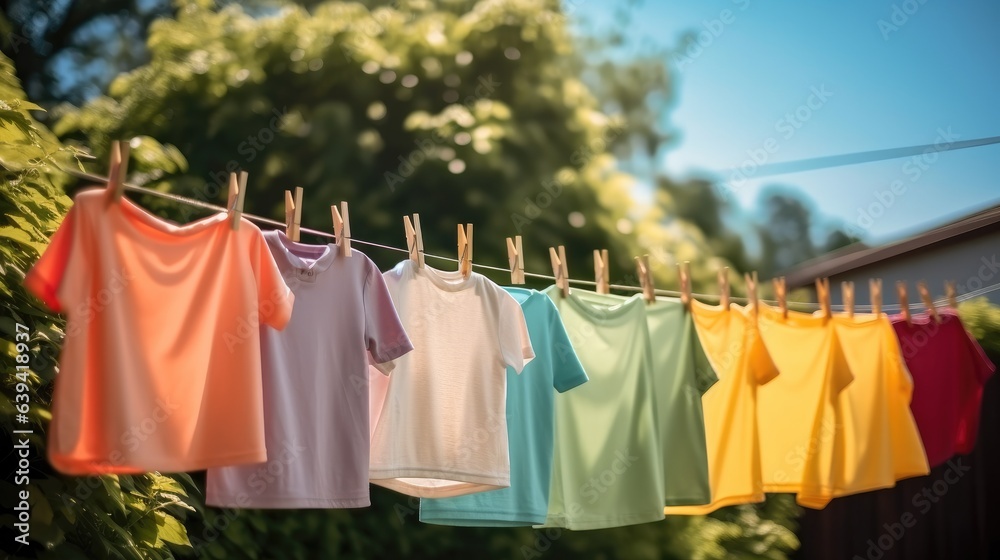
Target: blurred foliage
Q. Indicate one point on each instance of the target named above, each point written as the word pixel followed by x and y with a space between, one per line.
pixel 95 37
pixel 98 39
pixel 71 517
pixel 784 229
pixel 983 320
pixel 470 112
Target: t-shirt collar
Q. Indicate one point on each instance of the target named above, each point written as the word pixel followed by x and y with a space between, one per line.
pixel 604 308
pixel 306 261
pixel 447 280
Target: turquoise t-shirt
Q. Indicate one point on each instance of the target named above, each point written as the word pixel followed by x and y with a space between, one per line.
pixel 530 426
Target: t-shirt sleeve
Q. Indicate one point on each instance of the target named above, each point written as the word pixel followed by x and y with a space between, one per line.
pixel 704 373
pixel 274 297
pixel 979 364
pixel 385 368
pixel 385 337
pixel 45 279
pixel 515 345
pixel 567 370
pixel 841 374
pixel 896 362
pixel 761 364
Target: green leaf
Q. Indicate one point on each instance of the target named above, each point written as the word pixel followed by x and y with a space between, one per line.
pixel 27 106
pixel 110 483
pixel 41 511
pixel 170 530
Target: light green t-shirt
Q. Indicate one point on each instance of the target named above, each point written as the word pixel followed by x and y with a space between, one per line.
pixel 607 466
pixel 681 375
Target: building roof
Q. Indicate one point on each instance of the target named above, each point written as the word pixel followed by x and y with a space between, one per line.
pixel 859 255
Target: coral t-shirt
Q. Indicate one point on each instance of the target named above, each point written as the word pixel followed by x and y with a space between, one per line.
pixel 160 369
pixel 949 369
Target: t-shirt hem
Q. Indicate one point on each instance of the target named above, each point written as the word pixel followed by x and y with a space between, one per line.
pixel 814 501
pixel 450 491
pixel 688 500
pixel 602 523
pixel 463 483
pixel 42 289
pixel 841 492
pixel 244 502
pixel 818 497
pixel 777 488
pixel 912 474
pixel 465 518
pixel 717 504
pixel 68 464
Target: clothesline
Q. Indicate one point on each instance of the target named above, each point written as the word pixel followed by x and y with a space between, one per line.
pixel 659 291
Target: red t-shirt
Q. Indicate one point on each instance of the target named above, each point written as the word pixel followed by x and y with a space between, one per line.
pixel 949 369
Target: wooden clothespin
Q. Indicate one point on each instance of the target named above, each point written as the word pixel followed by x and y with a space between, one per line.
pixel 559 269
pixel 925 296
pixel 117 170
pixel 751 281
pixel 342 228
pixel 847 291
pixel 465 249
pixel 875 291
pixel 685 276
pixel 724 287
pixel 646 279
pixel 950 293
pixel 237 195
pixel 293 213
pixel 823 295
pixel 904 303
pixel 781 294
pixel 601 274
pixel 414 239
pixel 515 258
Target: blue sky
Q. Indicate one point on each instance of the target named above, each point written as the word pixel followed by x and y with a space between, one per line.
pixel 930 75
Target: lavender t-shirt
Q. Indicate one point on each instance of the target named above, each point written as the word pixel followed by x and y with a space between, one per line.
pixel 316 383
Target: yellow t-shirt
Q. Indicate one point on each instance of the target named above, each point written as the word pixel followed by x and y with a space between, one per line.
pixel 796 411
pixel 740 359
pixel 879 439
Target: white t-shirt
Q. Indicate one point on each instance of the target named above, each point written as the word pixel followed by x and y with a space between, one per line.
pixel 315 376
pixel 442 430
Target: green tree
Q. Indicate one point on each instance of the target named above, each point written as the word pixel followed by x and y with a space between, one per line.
pixel 95 37
pixel 696 201
pixel 71 517
pixel 787 230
